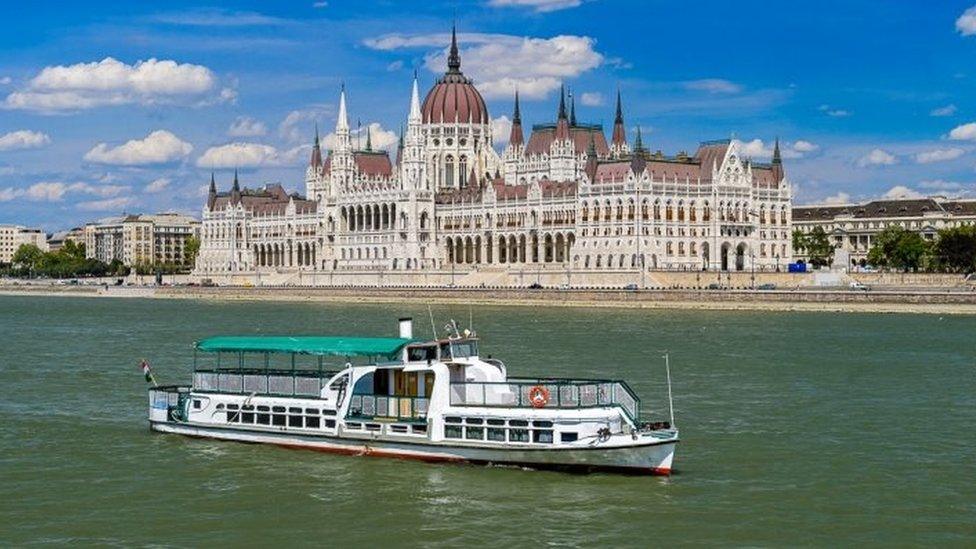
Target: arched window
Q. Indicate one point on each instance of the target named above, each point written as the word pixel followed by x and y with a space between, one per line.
pixel 462 171
pixel 449 171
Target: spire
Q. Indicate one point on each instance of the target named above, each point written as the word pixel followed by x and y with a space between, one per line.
pixel 212 195
pixel 316 160
pixel 414 101
pixel 572 109
pixel 778 173
pixel 638 143
pixel 619 140
pixel 454 59
pixel 591 158
pixel 237 186
pixel 213 184
pixel 342 121
pixel 515 137
pixel 776 157
pixel 399 156
pixel 369 140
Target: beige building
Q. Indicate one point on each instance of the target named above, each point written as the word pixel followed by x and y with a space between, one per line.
pixel 57 240
pixel 141 239
pixel 13 236
pixel 853 227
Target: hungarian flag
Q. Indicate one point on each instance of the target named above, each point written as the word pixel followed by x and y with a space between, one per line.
pixel 146 371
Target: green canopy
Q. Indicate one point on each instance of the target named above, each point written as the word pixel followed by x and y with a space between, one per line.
pixel 308 345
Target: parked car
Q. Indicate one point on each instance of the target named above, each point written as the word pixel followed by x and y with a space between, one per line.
pixel 535 286
pixel 714 286
pixel 766 286
pixel 859 287
pixel 631 286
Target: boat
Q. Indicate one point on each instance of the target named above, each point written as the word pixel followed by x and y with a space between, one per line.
pixel 432 400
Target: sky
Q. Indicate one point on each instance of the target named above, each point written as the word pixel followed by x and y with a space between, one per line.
pixel 110 107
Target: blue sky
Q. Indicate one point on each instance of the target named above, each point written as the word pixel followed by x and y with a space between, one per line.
pixel 109 107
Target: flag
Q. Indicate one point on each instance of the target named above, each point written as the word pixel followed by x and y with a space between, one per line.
pixel 146 371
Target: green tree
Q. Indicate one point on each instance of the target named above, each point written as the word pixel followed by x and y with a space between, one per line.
pixel 799 240
pixel 898 248
pixel 955 249
pixel 190 250
pixel 818 247
pixel 28 256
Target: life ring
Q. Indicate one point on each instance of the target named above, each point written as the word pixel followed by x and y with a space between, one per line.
pixel 538 396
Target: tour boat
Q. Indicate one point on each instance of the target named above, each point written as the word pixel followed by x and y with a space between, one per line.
pixel 435 401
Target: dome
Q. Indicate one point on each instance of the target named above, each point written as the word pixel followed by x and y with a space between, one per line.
pixel 454 97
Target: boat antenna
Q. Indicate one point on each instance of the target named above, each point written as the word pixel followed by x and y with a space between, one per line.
pixel 470 319
pixel 433 329
pixel 667 369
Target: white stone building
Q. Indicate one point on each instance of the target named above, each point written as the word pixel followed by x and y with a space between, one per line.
pixel 563 199
pixel 12 237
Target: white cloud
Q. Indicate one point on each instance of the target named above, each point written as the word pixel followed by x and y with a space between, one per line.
pixel 320 4
pixel 713 85
pixel 837 199
pixel 877 157
pixel 832 112
pixel 211 17
pixel 380 138
pixel 592 99
pixel 500 63
pixel 901 191
pixel 157 186
pixel 159 147
pixel 966 23
pixel 757 148
pixel 540 6
pixel 395 66
pixel 5 80
pixel 965 132
pixel 948 110
pixel 298 125
pixel 107 204
pixel 239 155
pixel 941 185
pixel 54 191
pixel 939 155
pixel 245 126
pixel 501 129
pixel 112 82
pixel 23 139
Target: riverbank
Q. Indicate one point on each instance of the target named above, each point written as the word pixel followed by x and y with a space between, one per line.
pixel 901 301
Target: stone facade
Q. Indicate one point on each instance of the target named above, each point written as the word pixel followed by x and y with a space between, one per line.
pixel 13 237
pixel 852 227
pixel 564 198
pixel 140 239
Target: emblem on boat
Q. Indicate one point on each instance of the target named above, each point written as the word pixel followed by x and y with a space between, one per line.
pixel 539 396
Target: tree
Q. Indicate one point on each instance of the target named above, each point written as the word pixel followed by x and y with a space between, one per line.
pixel 898 248
pixel 955 249
pixel 190 250
pixel 799 240
pixel 28 256
pixel 818 247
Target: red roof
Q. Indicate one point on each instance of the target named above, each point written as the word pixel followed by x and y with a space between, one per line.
pixel 373 163
pixel 454 99
pixel 543 136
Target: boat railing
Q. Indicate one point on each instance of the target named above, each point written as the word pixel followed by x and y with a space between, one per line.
pixel 371 406
pixel 561 393
pixel 171 398
pixel 262 382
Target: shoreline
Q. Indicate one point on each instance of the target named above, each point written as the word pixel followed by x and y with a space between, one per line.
pixel 837 301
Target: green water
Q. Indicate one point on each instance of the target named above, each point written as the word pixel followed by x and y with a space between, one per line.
pixel 797 428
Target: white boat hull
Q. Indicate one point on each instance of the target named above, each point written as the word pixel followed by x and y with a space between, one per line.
pixel 648 455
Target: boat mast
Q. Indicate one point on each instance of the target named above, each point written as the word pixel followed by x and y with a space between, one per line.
pixel 667 369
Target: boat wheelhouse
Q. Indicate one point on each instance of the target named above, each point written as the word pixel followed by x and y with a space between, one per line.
pixel 434 400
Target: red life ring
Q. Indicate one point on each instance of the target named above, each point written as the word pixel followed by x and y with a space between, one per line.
pixel 538 396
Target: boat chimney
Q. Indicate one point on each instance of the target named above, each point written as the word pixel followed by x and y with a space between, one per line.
pixel 406 328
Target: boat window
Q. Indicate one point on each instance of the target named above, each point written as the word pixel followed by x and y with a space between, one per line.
pixel 518 435
pixel 220 406
pixel 464 349
pixel 542 424
pixel 418 429
pixel 496 422
pixel 330 423
pixel 398 428
pixel 474 420
pixel 496 434
pixel 452 431
pixel 372 426
pixel 278 419
pixel 231 406
pixel 422 353
pixel 568 437
pixel 294 410
pixel 475 433
pixel 339 383
pixel 364 385
pixel 445 351
pixel 294 421
pixel 263 408
pixel 328 412
pixel 197 404
pixel 248 416
pixel 544 437
pixel 312 422
pixel 354 426
pixel 279 409
pixel 518 423
pixel 452 419
pixel 312 411
pixel 263 419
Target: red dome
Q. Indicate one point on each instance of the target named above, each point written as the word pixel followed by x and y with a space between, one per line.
pixel 454 98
